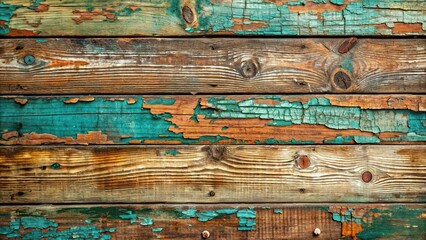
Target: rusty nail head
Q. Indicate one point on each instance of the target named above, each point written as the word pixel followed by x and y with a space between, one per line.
pixel 367 176
pixel 303 161
pixel 205 234
pixel 187 14
pixel 212 193
pixel 248 69
pixel 347 45
pixel 342 80
pixel 317 231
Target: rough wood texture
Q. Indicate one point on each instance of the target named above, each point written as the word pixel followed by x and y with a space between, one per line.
pixel 271 119
pixel 218 222
pixel 213 174
pixel 195 17
pixel 216 65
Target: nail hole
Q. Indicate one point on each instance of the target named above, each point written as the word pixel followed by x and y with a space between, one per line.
pixel 43 168
pixel 205 234
pixel 317 231
pixel 302 190
pixel 212 193
pixel 213 85
pixel 29 59
pixel 19 47
pixel 20 193
pixel 367 176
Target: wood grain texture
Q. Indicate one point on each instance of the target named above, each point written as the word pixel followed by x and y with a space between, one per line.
pixel 208 17
pixel 212 174
pixel 270 119
pixel 274 221
pixel 215 65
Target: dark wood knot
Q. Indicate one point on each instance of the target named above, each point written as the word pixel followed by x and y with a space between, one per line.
pixel 188 15
pixel 249 68
pixel 342 79
pixel 216 153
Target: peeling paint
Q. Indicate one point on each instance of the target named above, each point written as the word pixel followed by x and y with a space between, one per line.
pixel 172 152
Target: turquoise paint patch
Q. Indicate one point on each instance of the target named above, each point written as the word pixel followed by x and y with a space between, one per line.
pixel 338 2
pixel 224 128
pixel 161 101
pixel 246 219
pixel 37 222
pixel 145 221
pixel 227 211
pixel 55 166
pixel 41 40
pixel 88 221
pixel 366 139
pixel 206 215
pixel 6 13
pixel 172 152
pixel 280 211
pixel 190 213
pixel 340 140
pixel 129 216
pixel 159 229
pixel 347 64
pixel 297 3
pixel 34 4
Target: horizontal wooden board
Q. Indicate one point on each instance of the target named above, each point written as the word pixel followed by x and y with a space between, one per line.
pixel 214 65
pixel 213 174
pixel 275 221
pixel 199 17
pixel 270 119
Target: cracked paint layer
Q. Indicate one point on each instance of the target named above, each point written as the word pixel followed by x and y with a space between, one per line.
pixel 244 17
pixel 213 119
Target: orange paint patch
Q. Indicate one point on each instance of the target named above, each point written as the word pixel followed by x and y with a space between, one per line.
pixel 8 135
pixel 22 33
pixel 44 138
pixel 87 16
pixel 42 8
pixel 244 24
pixel 81 99
pixel 21 101
pixel 65 63
pixel 351 229
pixel 131 101
pixel 403 28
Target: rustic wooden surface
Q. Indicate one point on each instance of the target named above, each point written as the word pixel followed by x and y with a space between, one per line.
pixel 269 119
pixel 197 17
pixel 212 174
pixel 215 65
pixel 273 221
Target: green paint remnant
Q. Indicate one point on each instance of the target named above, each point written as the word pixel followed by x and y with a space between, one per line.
pixel 41 40
pixel 320 1
pixel 266 207
pixel 172 152
pixel 88 221
pixel 227 211
pixel 297 3
pixel 6 13
pixel 113 118
pixel 366 139
pixel 246 219
pixel 188 29
pixel 280 211
pixel 190 213
pixel 224 128
pixel 146 221
pixel 206 215
pixel 161 101
pixel 34 4
pixel 338 2
pixel 347 64
pixel 129 216
pixel 37 222
pixel 158 229
pixel 410 223
pixel 55 166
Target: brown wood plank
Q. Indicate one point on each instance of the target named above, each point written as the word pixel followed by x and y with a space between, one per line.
pixel 216 65
pixel 237 221
pixel 207 17
pixel 248 119
pixel 213 174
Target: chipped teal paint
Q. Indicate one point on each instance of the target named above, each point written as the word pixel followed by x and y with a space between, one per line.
pixel 161 101
pixel 49 227
pixel 279 211
pixel 40 40
pixel 6 13
pixel 55 166
pixel 129 216
pixel 190 213
pixel 410 223
pixel 119 118
pixel 227 211
pixel 172 152
pixel 206 215
pixel 88 221
pixel 145 221
pixel 347 64
pixel 224 128
pixel 37 222
pixel 358 18
pixel 246 219
pixel 34 4
pixel 159 229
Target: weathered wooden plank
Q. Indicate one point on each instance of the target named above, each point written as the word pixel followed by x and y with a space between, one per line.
pixel 271 119
pixel 275 221
pixel 215 65
pixel 213 174
pixel 195 17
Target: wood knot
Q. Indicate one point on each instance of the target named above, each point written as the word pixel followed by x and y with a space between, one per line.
pixel 367 176
pixel 188 15
pixel 303 161
pixel 216 153
pixel 29 59
pixel 249 68
pixel 342 79
pixel 347 45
